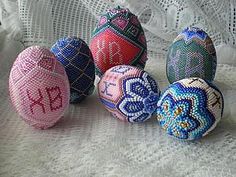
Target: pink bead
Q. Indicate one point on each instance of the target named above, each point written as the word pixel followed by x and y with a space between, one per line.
pixel 39 87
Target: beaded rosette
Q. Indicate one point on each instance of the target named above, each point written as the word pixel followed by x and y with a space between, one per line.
pixel 190 108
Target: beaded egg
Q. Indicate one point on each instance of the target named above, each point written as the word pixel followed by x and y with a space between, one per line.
pixel 77 59
pixel 129 93
pixel 192 54
pixel 190 108
pixel 39 87
pixel 118 39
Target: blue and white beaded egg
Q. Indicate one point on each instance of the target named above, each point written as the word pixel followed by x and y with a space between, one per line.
pixel 190 108
pixel 77 59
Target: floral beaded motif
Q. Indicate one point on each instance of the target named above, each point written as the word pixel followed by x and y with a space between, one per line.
pixel 188 109
pixel 140 99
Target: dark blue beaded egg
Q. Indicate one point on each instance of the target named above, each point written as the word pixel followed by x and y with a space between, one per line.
pixel 77 59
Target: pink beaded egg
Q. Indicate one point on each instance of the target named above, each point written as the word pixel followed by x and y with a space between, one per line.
pixel 39 87
pixel 129 93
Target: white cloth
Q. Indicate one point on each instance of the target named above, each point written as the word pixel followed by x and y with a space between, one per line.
pixel 88 141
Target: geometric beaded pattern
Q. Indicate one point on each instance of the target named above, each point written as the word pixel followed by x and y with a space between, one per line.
pixel 190 108
pixel 77 59
pixel 118 39
pixel 39 87
pixel 129 93
pixel 192 54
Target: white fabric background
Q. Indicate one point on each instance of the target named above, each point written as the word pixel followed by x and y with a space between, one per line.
pixel 88 141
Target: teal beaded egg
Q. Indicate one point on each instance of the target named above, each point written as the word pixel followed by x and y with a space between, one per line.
pixel 192 54
pixel 190 108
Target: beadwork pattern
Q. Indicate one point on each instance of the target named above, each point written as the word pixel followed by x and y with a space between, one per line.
pixel 192 54
pixel 129 93
pixel 77 59
pixel 39 87
pixel 190 108
pixel 118 39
